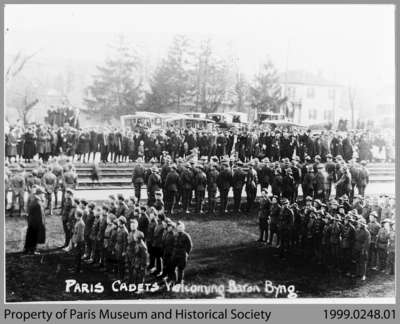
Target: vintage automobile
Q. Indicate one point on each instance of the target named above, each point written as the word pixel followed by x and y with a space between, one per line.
pixel 141 119
pixel 188 122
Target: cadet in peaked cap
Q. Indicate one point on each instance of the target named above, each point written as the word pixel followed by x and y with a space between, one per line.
pixel 120 197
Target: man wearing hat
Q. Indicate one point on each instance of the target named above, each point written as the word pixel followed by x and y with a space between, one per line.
pixel 296 171
pixel 238 181
pixel 138 177
pixel 187 180
pixel 382 242
pixel 251 186
pixel 200 182
pixel 122 208
pixel 263 215
pixel 121 241
pixel 224 182
pixel 18 190
pixel 334 240
pixel 69 181
pixel 348 237
pixel 88 219
pixel 154 184
pixel 285 225
pixel 49 183
pixel 36 231
pixel 317 162
pixel 373 227
pixel 78 239
pixel 360 249
pixel 65 215
pixel 391 248
pixel 212 177
pixel 172 186
pixel 139 262
pixel 363 178
pixel 330 168
pixel 168 242
pixel 307 184
pixel 320 183
pixel 182 248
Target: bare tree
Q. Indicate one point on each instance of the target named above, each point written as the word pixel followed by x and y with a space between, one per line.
pixel 17 64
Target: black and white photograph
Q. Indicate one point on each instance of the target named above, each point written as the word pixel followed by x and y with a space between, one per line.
pixel 211 152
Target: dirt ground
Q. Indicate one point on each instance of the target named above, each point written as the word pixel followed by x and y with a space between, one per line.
pixel 225 249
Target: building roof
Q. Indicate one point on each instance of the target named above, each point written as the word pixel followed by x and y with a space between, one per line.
pixel 306 78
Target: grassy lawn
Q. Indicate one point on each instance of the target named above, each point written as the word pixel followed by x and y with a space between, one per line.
pixel 225 248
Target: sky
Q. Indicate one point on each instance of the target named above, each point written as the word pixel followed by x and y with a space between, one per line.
pixel 351 44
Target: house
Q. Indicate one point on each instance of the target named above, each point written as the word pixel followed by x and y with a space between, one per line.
pixel 313 99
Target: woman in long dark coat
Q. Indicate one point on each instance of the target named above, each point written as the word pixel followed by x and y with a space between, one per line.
pixel 36 232
pixel 29 148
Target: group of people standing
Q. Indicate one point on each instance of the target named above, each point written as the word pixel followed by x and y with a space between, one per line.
pixel 111 144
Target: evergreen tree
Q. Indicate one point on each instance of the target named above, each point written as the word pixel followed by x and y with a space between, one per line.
pixel 265 93
pixel 211 79
pixel 117 87
pixel 171 85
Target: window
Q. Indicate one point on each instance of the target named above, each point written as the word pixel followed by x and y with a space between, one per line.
pixel 310 92
pixel 291 92
pixel 331 93
pixel 312 114
pixel 328 114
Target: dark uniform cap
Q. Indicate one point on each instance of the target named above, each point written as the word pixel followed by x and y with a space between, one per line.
pixel 92 205
pixel 143 208
pixel 105 207
pixel 76 200
pixel 84 201
pixel 70 191
pixel 120 197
